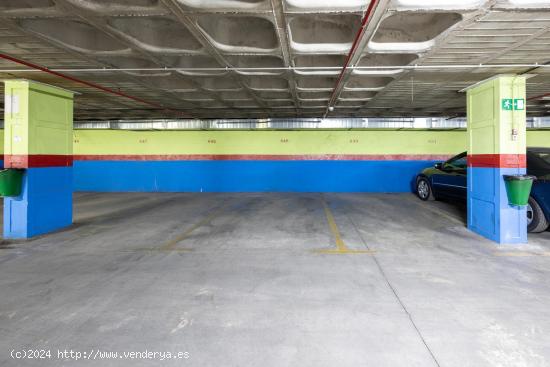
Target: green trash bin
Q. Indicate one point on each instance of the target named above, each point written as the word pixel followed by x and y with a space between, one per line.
pixel 10 182
pixel 518 188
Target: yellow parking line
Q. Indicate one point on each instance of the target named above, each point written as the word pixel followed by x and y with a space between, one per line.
pixel 341 247
pixel 154 249
pixel 347 251
pixel 174 241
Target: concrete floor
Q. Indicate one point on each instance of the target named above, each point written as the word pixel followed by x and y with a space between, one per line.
pixel 239 280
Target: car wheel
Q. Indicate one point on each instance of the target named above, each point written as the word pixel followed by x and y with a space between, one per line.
pixel 536 221
pixel 423 189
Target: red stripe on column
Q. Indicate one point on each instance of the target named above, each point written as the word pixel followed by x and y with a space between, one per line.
pixel 37 160
pixel 262 157
pixel 497 160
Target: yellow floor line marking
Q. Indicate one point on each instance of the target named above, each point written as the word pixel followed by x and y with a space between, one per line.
pixel 348 251
pixel 174 241
pixel 341 247
pixel 521 254
pixel 159 250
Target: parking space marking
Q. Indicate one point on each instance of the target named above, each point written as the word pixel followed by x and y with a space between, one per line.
pixel 347 251
pixel 341 247
pixel 170 245
pixel 154 249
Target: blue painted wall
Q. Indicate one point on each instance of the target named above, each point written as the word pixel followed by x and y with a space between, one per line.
pixel 247 176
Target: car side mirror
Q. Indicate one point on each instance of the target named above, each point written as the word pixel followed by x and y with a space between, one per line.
pixel 438 166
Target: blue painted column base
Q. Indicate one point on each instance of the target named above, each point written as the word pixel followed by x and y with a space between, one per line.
pixel 489 213
pixel 45 203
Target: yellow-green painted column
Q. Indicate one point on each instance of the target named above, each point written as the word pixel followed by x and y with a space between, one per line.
pixel 38 139
pixel 497 147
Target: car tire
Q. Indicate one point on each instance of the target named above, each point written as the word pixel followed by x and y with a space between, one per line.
pixel 539 223
pixel 424 189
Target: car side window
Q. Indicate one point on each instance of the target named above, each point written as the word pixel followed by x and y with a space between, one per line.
pixel 460 163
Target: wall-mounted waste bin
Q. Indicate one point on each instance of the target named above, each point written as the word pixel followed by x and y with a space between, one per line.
pixel 518 188
pixel 10 182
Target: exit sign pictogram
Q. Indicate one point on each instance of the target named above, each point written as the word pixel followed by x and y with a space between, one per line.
pixel 519 104
pixel 509 104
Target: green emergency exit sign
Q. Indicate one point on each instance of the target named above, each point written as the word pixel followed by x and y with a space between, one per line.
pixel 509 104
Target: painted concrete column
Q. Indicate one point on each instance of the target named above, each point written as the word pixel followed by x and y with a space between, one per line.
pixel 497 135
pixel 38 138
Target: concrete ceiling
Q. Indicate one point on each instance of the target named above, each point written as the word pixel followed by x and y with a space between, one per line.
pixel 201 57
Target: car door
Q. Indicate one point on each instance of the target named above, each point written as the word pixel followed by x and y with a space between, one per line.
pixel 451 179
pixel 538 165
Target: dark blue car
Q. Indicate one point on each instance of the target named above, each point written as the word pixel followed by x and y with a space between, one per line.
pixel 448 180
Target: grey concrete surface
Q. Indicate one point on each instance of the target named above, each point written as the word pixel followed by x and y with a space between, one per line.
pixel 238 280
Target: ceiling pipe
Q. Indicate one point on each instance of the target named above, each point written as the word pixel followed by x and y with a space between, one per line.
pixel 314 68
pixel 539 96
pixel 89 84
pixel 364 22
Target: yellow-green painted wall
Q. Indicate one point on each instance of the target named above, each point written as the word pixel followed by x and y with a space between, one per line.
pixel 538 138
pixel 89 142
pixel 107 142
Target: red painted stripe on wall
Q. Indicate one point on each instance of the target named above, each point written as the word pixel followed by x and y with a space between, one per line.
pixel 37 160
pixel 497 160
pixel 264 157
